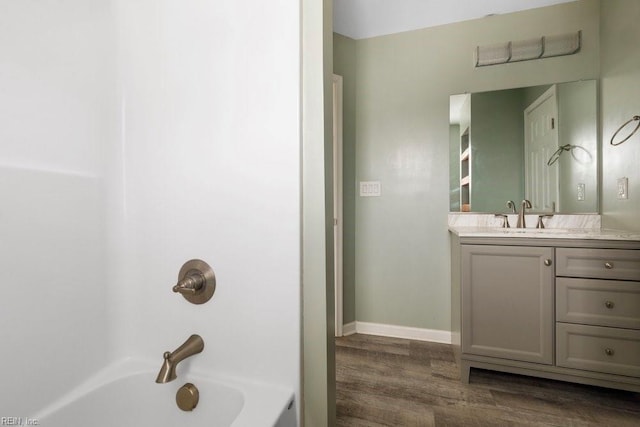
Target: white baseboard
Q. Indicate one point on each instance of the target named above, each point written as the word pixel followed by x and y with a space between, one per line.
pixel 393 331
pixel 349 329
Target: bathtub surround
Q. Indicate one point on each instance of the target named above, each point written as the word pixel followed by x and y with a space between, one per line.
pixel 137 135
pixel 57 112
pixel 212 158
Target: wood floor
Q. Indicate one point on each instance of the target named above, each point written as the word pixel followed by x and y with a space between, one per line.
pixel 395 382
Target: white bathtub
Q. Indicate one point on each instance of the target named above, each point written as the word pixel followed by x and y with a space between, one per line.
pixel 125 394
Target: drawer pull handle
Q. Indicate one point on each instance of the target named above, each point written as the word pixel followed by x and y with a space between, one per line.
pixel 547 262
pixel 609 304
pixel 609 351
pixel 608 265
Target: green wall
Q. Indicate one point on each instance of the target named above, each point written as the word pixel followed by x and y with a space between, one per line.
pixel 620 100
pixel 534 92
pixel 403 83
pixel 578 125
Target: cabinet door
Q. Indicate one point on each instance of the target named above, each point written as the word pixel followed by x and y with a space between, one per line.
pixel 507 302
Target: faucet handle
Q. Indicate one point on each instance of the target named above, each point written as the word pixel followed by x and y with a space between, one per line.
pixel 505 220
pixel 196 281
pixel 190 285
pixel 540 222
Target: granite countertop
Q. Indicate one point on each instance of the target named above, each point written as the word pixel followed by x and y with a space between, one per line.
pixel 559 226
pixel 546 233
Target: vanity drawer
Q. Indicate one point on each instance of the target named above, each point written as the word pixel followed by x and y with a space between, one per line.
pixel 620 264
pixel 599 349
pixel 598 302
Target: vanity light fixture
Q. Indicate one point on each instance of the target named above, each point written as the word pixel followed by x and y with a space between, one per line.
pixel 525 50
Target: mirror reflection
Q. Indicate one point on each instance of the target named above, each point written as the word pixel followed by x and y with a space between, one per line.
pixel 538 143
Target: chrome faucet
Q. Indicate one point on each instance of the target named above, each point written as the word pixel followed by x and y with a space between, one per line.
pixel 525 205
pixel 511 205
pixel 193 345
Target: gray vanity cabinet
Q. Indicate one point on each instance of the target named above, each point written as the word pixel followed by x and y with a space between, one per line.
pixel 507 302
pixel 565 309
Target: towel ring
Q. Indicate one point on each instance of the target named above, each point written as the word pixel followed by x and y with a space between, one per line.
pixel 634 118
pixel 570 148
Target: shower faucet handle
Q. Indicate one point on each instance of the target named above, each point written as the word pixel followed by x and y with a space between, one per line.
pixel 190 285
pixel 196 282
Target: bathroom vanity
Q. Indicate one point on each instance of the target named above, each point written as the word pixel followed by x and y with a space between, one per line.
pixel 559 304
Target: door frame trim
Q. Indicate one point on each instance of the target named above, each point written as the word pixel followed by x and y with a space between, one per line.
pixel 337 202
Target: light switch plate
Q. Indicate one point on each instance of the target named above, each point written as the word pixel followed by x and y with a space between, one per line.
pixel 623 188
pixel 370 189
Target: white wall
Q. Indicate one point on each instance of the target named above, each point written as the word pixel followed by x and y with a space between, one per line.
pixel 211 170
pixel 56 117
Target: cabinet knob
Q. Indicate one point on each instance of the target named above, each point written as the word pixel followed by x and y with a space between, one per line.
pixel 609 304
pixel 547 262
pixel 609 351
pixel 608 265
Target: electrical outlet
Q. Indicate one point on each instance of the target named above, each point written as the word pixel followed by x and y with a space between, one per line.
pixel 623 188
pixel 581 191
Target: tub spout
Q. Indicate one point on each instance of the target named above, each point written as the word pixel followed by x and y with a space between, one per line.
pixel 193 345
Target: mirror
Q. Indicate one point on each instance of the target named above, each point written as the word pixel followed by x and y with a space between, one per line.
pixel 538 143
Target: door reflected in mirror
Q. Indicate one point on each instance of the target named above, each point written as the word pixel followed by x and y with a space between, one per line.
pixel 538 143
